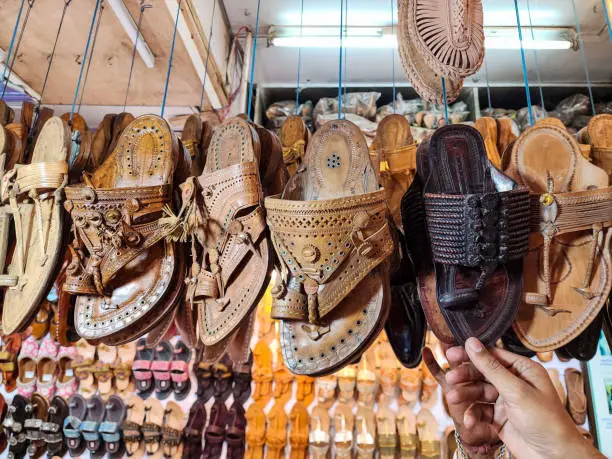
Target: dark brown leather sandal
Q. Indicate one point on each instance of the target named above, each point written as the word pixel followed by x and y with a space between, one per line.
pixel 14 427
pixel 192 433
pixel 39 409
pixel 477 224
pixel 214 435
pixel 242 381
pixel 77 407
pixel 90 427
pixel 110 428
pixel 51 430
pixel 235 432
pixel 222 379
pixel 331 234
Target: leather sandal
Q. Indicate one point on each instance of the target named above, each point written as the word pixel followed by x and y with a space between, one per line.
pixel 8 360
pixel 38 408
pixel 84 365
pixel 347 381
pixel 191 140
pixel 32 194
pixel 172 430
pixel 90 427
pixel 553 373
pixel 367 385
pixel 160 367
pixel 407 431
pixel 283 383
pixel 152 426
pixel 42 320
pixel 276 432
pixel 231 235
pixel 298 431
pixel 100 142
pixel 263 374
pixel 142 369
pixel 127 200
pixel 77 409
pixel 3 432
pixel 365 433
pixel 62 326
pixel 386 432
pixel 576 398
pixel 193 431
pixel 214 434
pixel 545 357
pixel 318 437
pixel 222 379
pixel 427 427
pixel 204 377
pixel 477 285
pixel 51 430
pixel 584 346
pixel 131 427
pixel 305 389
pixel 110 428
pixel 568 267
pixel 235 435
pixel 26 363
pixel 120 123
pixel 294 137
pixel 81 144
pixel 344 423
pixel 122 369
pixel 242 380
pixel 255 431
pixel 429 388
pixel 47 368
pixel 507 133
pixel 600 137
pixel 179 371
pixel 14 426
pixel 327 321
pixel 103 369
pixel 410 385
pixel 487 127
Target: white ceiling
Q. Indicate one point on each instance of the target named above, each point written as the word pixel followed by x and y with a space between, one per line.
pixel 279 65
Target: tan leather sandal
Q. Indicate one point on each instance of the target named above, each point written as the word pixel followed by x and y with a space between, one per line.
pixel 318 438
pixel 407 431
pixel 429 390
pixel 84 367
pixel 553 373
pixel 42 320
pixel 122 369
pixel 325 390
pixel 276 432
pixel 131 427
pixel 32 194
pixel 386 432
pixel 344 424
pixel 365 433
pixel 600 137
pixel 488 130
pixel 255 431
pixel 347 381
pixel 427 427
pixel 332 296
pixel 152 426
pixel 191 139
pixel 103 369
pixel 172 429
pixel 411 380
pixel 576 398
pixel 294 136
pixel 567 271
pixel 298 431
pixel 367 385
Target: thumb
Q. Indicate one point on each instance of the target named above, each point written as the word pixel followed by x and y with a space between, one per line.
pixel 492 369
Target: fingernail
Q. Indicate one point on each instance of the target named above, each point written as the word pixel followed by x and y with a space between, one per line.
pixel 475 345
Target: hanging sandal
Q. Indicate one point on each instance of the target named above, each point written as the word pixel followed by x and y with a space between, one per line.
pixel 344 422
pixel 152 427
pixel 332 295
pixel 13 425
pixel 39 410
pixel 34 195
pixel 51 429
pixel 191 140
pixel 567 269
pixel 110 428
pixel 132 426
pixel 84 366
pixel 120 216
pixel 276 432
pixel 242 380
pixel 600 137
pixel 487 127
pixel 365 431
pixel 161 369
pixel 179 371
pixel 214 434
pixel 235 432
pixel 427 428
pixel 103 369
pixel 90 427
pixel 222 379
pixel 255 435
pixel 193 431
pixel 318 437
pixel 122 369
pixel 576 397
pixel 298 431
pixel 263 374
pixel 305 389
pixel 42 320
pixel 386 432
pixel 294 136
pixel 204 377
pixel 142 369
pixel 47 368
pixel 77 409
pixel 407 431
pixel 172 430
pixel 26 363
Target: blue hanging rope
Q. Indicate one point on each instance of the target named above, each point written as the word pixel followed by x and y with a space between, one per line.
pixel 254 51
pixel 90 58
pixel 299 65
pixel 486 68
pixel 178 13
pixel 91 29
pixel 535 57
pixel 340 61
pixel 393 55
pixel 584 59
pixel 445 99
pixel 143 7
pixel 524 63
pixel 210 36
pixel 10 50
pixel 17 45
pixel 607 14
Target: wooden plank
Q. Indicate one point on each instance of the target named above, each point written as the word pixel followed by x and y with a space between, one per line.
pixel 110 66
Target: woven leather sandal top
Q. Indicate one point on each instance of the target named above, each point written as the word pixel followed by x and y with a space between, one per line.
pixel 600 137
pixel 32 194
pixel 117 217
pixel 294 136
pixel 424 78
pixel 567 269
pixel 331 233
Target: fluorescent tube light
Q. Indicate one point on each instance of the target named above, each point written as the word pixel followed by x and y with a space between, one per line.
pixel 131 29
pixel 381 37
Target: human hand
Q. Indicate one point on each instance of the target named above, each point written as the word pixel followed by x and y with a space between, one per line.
pixel 465 389
pixel 528 416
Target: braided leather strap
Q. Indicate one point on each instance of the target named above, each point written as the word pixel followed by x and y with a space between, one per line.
pixel 475 230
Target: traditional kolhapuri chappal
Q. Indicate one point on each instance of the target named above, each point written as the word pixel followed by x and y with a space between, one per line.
pixel 81 144
pixel 470 266
pixel 599 133
pixel 125 272
pixel 567 269
pixel 440 39
pixel 331 233
pixel 294 136
pixel 32 196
